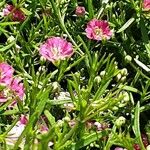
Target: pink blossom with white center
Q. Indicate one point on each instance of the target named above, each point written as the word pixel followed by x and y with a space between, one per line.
pixel 17 87
pixel 98 30
pixel 146 4
pixel 80 11
pixel 16 13
pixel 6 74
pixel 56 48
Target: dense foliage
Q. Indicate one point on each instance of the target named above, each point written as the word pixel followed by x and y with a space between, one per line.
pixel 74 74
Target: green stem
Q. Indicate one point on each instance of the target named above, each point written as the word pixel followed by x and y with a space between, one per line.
pixel 62 25
pixel 90 9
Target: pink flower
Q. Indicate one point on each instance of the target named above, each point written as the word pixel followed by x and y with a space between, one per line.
pixel 17 87
pixel 12 86
pixel 80 11
pixel 6 74
pixel 56 48
pixel 118 148
pixel 7 10
pixel 16 13
pixel 16 131
pixel 98 30
pixel 146 4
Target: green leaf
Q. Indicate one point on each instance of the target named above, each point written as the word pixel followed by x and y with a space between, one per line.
pixel 8 23
pixel 126 25
pixel 129 88
pixel 26 12
pixel 59 102
pixel 7 47
pixel 34 117
pixel 86 140
pixel 90 9
pixel 143 66
pixel 43 3
pixel 50 118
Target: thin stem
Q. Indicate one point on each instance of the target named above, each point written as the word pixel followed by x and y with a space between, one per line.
pixel 62 25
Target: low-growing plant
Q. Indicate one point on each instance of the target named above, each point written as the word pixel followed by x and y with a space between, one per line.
pixel 74 74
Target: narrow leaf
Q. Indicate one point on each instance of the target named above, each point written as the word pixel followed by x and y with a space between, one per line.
pixel 126 25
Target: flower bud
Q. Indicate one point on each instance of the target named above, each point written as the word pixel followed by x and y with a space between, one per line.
pixel 77 74
pixel 69 106
pixel 105 1
pixel 11 39
pixel 60 123
pixel 80 11
pixel 123 79
pixel 115 108
pixel 122 105
pixel 97 79
pixel 42 60
pixel 120 121
pixel 72 123
pixel 102 73
pixel 67 119
pixel 118 77
pixel 98 126
pixel 56 87
pixel 128 58
pixel 124 72
pixel 126 96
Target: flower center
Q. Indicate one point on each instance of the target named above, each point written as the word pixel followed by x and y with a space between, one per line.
pixel 98 31
pixel 55 51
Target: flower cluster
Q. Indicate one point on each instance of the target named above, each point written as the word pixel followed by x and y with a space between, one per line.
pixel 12 86
pixel 57 48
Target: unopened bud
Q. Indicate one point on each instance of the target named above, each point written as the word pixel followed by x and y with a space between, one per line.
pixel 118 77
pixel 60 123
pixel 80 11
pixel 42 60
pixel 124 72
pixel 56 87
pixel 120 121
pixel 115 108
pixel 97 79
pixel 126 96
pixel 67 119
pixel 123 79
pixel 77 74
pixel 128 58
pixel 102 73
pixel 10 39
